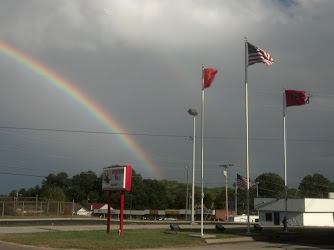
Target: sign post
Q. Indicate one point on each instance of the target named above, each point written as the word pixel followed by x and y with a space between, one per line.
pixel 122 212
pixel 117 178
pixel 109 205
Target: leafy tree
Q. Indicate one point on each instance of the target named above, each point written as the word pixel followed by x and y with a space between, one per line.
pixel 208 200
pixel 60 180
pixel 85 180
pixel 242 201
pixel 314 186
pixel 82 185
pixel 32 192
pixel 156 194
pixel 77 194
pixel 53 194
pixel 270 185
pixel 136 198
pixel 293 193
pixel 220 198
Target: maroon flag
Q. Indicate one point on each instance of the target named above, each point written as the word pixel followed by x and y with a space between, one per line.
pixel 257 55
pixel 295 97
pixel 209 76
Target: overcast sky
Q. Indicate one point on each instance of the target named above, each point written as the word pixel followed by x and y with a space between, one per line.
pixel 140 62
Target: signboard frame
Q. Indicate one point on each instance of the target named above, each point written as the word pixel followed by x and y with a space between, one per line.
pixel 117 178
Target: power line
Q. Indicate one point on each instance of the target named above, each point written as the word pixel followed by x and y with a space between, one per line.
pixel 37 169
pixel 90 132
pixel 23 174
pixel 158 135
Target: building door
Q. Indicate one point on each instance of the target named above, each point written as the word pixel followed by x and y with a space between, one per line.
pixel 276 219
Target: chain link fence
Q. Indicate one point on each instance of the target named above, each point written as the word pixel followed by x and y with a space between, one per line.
pixel 37 208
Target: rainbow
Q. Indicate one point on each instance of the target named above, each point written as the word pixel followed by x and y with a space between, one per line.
pixel 74 93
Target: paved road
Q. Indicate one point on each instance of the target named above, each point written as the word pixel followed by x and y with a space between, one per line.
pixel 30 229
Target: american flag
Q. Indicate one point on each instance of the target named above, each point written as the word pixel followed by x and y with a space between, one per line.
pixel 257 55
pixel 242 182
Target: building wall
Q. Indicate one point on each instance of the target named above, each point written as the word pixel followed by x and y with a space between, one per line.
pixel 294 218
pixel 319 219
pixel 262 218
pixel 243 218
pixel 272 204
pixel 221 214
pixel 319 205
pixel 299 219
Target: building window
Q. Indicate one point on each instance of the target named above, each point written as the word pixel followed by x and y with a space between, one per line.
pixel 269 217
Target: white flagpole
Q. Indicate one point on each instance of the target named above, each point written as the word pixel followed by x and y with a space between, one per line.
pixel 247 139
pixel 202 155
pixel 284 134
pixel 236 198
pixel 285 169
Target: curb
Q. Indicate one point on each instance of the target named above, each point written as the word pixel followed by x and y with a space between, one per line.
pixel 230 240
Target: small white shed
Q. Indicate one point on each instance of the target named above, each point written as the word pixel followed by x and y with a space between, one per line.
pixel 301 212
pixel 83 212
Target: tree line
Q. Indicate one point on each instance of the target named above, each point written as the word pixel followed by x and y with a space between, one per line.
pixel 86 188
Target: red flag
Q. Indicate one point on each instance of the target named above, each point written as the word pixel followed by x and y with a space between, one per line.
pixel 295 97
pixel 209 76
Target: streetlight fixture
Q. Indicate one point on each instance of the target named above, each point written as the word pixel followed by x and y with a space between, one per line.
pixel 225 173
pixel 187 168
pixel 194 113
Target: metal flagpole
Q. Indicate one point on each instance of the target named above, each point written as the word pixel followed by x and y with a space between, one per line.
pixel 202 136
pixel 236 198
pixel 285 220
pixel 247 154
pixel 284 133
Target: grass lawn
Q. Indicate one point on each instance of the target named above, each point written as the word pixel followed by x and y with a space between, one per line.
pixel 99 239
pixel 159 238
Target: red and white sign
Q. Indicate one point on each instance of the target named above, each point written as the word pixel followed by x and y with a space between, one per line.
pixel 117 178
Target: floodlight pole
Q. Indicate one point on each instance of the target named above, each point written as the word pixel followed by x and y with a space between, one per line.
pixel 187 168
pixel 226 193
pixel 193 112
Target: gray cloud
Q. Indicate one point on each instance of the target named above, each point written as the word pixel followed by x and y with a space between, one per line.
pixel 141 62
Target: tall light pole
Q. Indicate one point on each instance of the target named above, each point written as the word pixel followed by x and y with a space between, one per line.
pixel 193 112
pixel 187 168
pixel 226 194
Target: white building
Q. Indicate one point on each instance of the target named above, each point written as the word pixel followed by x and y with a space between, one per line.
pixel 83 212
pixel 244 218
pixel 301 212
